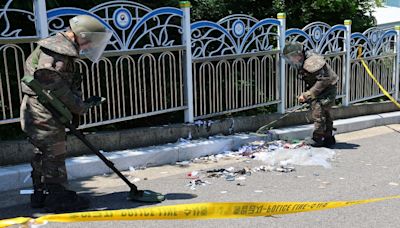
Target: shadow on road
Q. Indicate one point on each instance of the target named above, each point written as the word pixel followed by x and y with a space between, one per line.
pixel 345 146
pixel 112 201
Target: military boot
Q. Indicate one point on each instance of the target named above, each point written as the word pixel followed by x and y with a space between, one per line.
pixel 60 199
pixel 315 141
pixel 329 139
pixel 37 198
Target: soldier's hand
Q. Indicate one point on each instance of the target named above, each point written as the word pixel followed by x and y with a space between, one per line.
pixel 302 99
pixel 95 100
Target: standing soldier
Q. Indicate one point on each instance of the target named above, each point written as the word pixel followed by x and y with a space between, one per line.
pixel 320 82
pixel 52 65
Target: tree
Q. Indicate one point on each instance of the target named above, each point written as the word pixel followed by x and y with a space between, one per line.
pixel 299 13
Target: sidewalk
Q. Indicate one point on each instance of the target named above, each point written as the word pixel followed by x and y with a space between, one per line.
pixel 13 177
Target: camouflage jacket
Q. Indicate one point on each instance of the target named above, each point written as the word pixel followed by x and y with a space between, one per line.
pixel 52 65
pixel 319 77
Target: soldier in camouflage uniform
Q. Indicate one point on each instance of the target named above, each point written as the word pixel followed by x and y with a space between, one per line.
pixel 320 82
pixel 52 65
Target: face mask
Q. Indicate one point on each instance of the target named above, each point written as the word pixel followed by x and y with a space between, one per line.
pixel 96 44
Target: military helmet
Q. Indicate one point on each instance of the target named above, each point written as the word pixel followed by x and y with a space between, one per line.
pixel 293 48
pixel 85 23
pixel 93 34
pixel 293 54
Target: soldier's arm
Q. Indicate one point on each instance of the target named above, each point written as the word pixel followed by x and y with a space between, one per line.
pixel 49 75
pixel 323 82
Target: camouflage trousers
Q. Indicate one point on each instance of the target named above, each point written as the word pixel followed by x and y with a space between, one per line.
pixel 322 117
pixel 49 139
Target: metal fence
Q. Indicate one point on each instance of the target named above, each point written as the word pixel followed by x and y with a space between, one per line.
pixel 159 62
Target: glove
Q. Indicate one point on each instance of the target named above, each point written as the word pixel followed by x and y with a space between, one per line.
pixel 94 101
pixel 302 99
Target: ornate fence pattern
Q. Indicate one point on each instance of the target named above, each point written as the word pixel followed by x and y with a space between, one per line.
pixel 234 64
pixel 378 50
pixel 158 62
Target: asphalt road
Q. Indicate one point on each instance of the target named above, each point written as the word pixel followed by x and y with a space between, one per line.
pixel 367 165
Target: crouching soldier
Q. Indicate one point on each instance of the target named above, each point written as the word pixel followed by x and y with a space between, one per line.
pixel 321 88
pixel 52 65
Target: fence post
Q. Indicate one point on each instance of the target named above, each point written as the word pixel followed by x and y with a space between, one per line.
pixel 397 63
pixel 41 18
pixel 282 66
pixel 188 76
pixel 347 69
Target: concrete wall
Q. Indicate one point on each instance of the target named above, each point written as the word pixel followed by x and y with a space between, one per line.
pixel 15 152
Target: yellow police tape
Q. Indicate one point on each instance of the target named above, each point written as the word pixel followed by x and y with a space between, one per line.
pixel 375 80
pixel 193 211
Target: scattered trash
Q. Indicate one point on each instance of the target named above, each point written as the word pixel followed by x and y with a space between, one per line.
pixel 284 169
pixel 241 178
pixel 183 141
pixel 136 179
pixel 341 178
pixel 223 192
pixel 279 156
pixel 193 174
pixel 131 169
pixel 393 184
pixel 200 123
pixel 197 182
pixel 230 177
pixel 164 172
pixel 258 191
pixel 183 163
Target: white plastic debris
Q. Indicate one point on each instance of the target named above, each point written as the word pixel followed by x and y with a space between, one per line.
pixel 136 179
pixel 394 184
pixel 131 169
pixel 198 123
pixel 193 174
pixel 183 163
pixel 300 156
